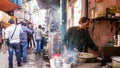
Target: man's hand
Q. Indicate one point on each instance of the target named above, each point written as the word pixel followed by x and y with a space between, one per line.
pixel 99 52
pixel 65 50
pixel 75 49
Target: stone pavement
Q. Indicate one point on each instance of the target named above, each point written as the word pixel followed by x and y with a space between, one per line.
pixel 34 61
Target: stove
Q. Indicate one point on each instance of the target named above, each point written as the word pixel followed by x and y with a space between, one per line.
pixel 109 51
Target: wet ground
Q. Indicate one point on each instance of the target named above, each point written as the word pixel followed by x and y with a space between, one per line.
pixel 34 60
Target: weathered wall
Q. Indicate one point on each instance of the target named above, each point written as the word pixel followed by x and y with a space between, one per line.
pixel 102 31
pixel 110 3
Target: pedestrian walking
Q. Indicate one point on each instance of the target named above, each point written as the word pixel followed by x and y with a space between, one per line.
pixel 24 41
pixel 12 33
pixel 30 37
pixel 38 38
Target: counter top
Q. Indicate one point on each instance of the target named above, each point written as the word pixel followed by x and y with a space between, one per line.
pixel 79 65
pixel 109 51
pixel 87 65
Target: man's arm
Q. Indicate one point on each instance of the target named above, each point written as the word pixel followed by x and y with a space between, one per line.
pixel 29 30
pixel 66 38
pixel 7 33
pixel 90 43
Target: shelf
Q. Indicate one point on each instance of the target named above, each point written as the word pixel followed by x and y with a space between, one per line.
pixel 106 18
pixel 117 21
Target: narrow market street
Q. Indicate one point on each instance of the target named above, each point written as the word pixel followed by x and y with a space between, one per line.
pixel 34 61
pixel 59 33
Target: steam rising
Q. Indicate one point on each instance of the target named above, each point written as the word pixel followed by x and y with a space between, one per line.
pixel 69 57
pixel 54 5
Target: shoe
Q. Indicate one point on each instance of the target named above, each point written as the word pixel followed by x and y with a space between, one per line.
pixel 19 65
pixel 10 67
pixel 25 61
pixel 35 52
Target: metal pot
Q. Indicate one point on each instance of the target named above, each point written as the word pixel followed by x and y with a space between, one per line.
pixel 85 58
pixel 116 62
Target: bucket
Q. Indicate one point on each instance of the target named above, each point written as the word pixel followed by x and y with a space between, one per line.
pixel 58 62
pixel 116 62
pixel 67 65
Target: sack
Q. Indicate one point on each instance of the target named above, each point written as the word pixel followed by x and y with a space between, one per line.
pixel 7 42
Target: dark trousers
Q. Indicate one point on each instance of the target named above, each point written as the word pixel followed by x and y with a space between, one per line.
pixel 14 47
pixel 43 42
pixel 30 41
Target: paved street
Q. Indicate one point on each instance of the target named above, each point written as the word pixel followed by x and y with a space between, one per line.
pixel 34 61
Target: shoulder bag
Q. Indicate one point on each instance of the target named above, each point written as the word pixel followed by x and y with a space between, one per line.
pixel 8 40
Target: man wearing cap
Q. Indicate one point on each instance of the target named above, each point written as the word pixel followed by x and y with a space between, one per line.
pixel 13 34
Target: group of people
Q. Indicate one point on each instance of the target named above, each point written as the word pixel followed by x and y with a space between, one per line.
pixel 16 36
pixel 40 35
pixel 16 39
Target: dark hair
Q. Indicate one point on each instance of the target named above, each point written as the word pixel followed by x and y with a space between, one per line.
pixel 39 26
pixel 21 22
pixel 11 21
pixel 84 19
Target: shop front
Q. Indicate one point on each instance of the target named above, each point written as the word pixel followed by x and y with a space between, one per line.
pixel 104 28
pixel 6 7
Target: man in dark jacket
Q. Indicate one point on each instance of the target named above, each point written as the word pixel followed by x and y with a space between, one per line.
pixel 78 39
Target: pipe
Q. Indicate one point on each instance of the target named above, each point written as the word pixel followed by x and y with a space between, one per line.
pixel 63 22
pixel 86 8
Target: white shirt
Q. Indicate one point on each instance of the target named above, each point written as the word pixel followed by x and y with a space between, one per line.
pixel 38 33
pixel 16 36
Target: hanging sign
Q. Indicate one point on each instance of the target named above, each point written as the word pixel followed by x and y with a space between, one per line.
pixel 19 13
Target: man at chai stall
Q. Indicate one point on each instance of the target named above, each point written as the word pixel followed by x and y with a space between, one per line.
pixel 77 38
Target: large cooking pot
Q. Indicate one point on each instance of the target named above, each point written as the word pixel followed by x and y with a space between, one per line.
pixel 84 57
pixel 116 62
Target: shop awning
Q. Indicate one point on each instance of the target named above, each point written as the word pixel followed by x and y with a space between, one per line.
pixel 6 5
